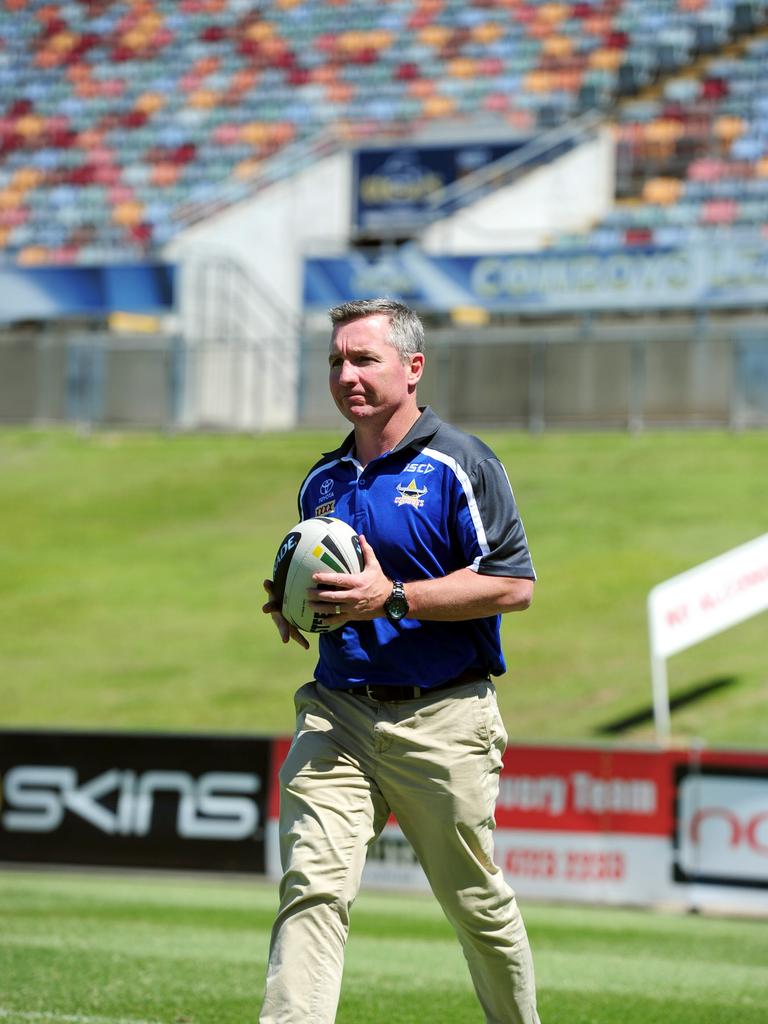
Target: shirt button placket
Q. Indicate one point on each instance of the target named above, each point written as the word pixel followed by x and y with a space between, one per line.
pixel 363 490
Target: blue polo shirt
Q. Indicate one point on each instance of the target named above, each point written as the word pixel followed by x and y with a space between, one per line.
pixel 439 501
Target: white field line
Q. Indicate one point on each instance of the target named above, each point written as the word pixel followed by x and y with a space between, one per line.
pixel 65 1018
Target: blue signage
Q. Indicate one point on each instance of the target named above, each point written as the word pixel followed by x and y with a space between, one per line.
pixel 702 276
pixel 392 185
pixel 46 293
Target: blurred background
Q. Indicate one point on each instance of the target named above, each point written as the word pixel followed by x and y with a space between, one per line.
pixel 574 196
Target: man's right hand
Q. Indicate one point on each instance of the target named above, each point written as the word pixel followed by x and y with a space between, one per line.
pixel 286 630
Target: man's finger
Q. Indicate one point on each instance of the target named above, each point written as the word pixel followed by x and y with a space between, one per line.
pixel 298 636
pixel 330 593
pixel 325 602
pixel 369 555
pixel 333 581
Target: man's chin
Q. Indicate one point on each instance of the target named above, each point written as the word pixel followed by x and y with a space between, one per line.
pixel 356 412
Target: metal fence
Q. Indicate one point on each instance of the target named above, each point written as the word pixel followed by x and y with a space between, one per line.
pixel 604 373
pixel 102 380
pixel 634 375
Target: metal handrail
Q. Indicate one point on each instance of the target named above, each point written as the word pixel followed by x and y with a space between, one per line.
pixel 504 170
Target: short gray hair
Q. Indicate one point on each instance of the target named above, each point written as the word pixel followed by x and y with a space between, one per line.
pixel 406 331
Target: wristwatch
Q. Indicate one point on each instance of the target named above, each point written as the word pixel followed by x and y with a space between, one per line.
pixel 396 606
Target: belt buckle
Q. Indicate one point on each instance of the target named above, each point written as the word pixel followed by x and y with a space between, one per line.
pixel 414 694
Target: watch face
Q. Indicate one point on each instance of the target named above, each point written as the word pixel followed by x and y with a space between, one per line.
pixel 396 607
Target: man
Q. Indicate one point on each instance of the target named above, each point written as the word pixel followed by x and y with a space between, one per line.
pixel 401 716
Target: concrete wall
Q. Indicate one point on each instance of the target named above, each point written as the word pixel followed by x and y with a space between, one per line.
pixel 611 375
pixel 268 236
pixel 240 279
pixel 568 194
pixel 614 375
pixel 240 283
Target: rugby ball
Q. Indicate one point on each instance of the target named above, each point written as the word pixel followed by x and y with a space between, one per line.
pixel 320 544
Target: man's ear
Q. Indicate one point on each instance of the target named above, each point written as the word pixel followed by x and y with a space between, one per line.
pixel 415 367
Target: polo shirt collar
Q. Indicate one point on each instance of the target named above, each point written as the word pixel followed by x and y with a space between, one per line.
pixel 426 426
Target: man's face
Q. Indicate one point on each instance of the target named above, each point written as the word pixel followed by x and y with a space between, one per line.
pixel 367 377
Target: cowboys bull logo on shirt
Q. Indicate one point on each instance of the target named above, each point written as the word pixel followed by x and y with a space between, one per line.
pixel 410 494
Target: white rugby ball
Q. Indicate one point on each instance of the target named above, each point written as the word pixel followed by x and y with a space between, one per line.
pixel 320 544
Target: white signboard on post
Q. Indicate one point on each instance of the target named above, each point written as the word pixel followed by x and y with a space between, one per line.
pixel 699 603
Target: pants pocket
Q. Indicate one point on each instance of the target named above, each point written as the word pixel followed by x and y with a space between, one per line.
pixel 493 731
pixel 303 696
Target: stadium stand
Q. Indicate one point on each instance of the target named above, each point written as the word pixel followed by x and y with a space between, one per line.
pixel 695 157
pixel 123 122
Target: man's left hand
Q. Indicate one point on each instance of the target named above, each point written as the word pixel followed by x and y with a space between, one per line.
pixel 358 595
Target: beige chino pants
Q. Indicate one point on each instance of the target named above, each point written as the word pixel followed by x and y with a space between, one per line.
pixel 433 762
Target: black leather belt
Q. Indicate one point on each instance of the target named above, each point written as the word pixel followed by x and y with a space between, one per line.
pixel 386 693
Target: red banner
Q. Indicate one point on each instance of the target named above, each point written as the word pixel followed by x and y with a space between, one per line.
pixel 586 790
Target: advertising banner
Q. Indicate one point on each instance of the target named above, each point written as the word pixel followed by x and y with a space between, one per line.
pixel 392 183
pixel 610 825
pixel 721 828
pixel 134 800
pixel 731 273
pixel 45 293
pixel 700 603
pixel 597 824
pixel 574 824
pixel 709 598
pixel 586 824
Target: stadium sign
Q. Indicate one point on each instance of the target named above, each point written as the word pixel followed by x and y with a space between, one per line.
pixel 392 185
pixel 598 824
pixel 39 796
pixel 585 823
pixel 722 827
pixel 729 274
pixel 700 603
pixel 134 800
pixel 49 293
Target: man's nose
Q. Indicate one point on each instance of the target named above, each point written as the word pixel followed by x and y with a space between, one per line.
pixel 347 372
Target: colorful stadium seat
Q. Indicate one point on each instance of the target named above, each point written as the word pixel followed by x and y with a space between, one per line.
pixel 120 121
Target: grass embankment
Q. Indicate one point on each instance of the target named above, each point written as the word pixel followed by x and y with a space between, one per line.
pixel 131 569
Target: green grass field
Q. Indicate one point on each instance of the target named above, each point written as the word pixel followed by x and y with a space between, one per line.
pixel 78 949
pixel 131 569
pixel 130 582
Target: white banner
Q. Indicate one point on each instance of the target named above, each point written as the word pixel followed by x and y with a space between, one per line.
pixel 609 825
pixel 709 599
pixel 723 828
pixel 588 866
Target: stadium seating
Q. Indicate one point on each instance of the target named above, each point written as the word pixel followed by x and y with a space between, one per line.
pixel 121 122
pixel 695 157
